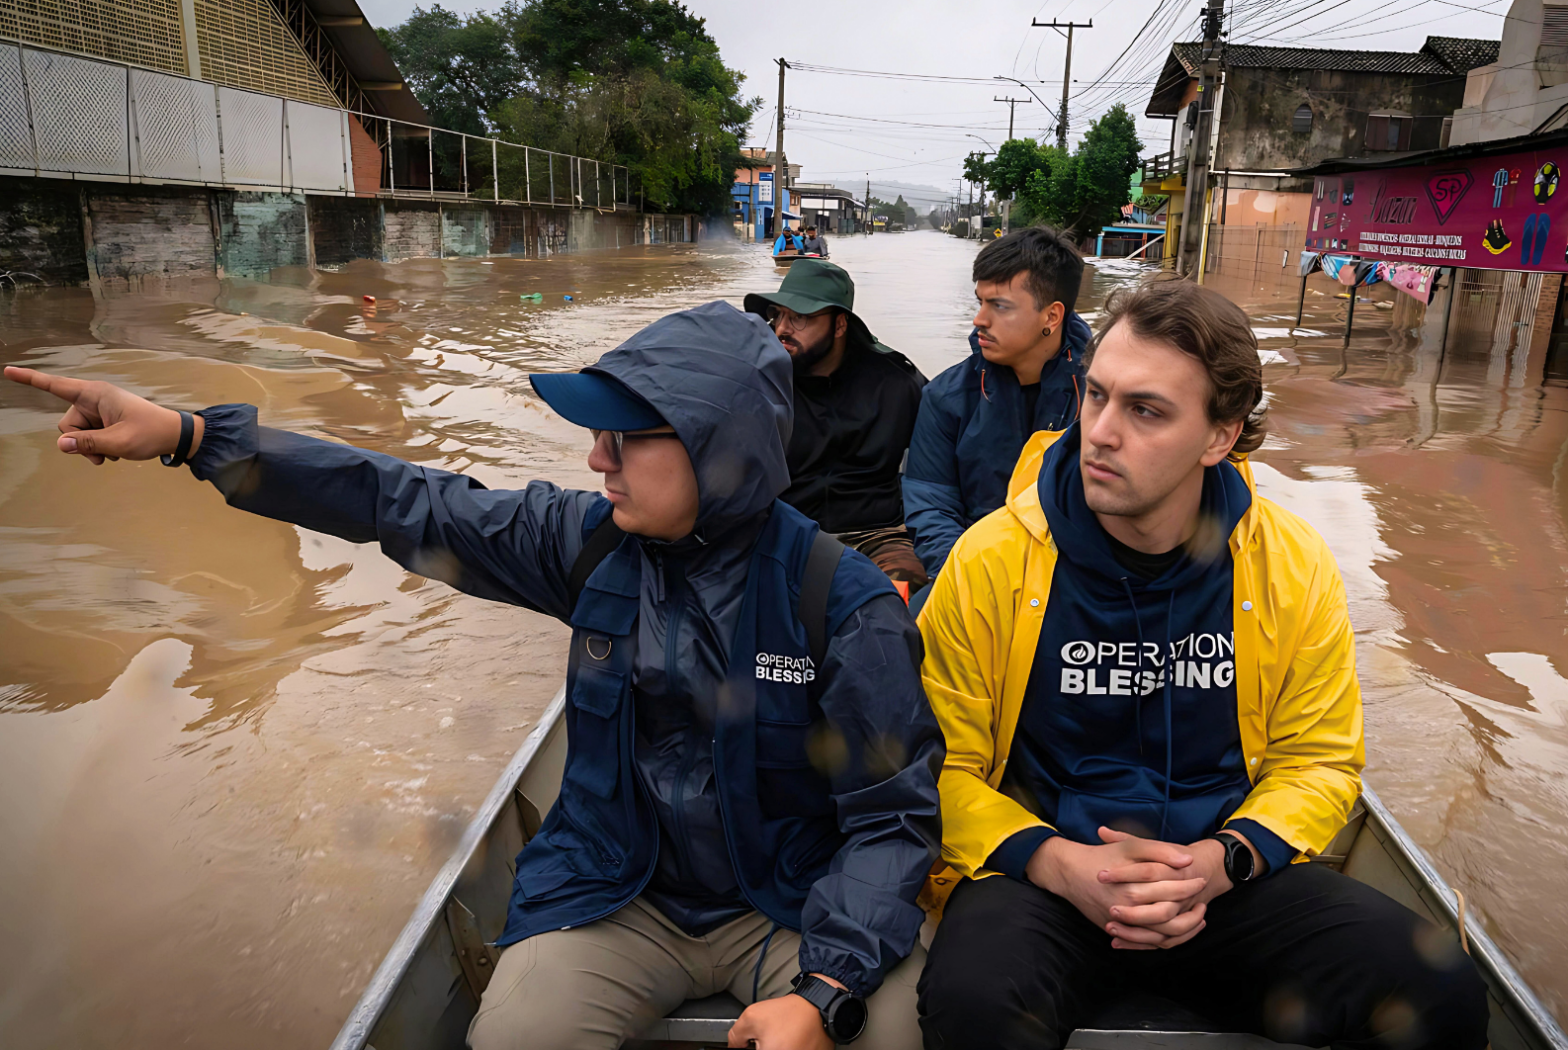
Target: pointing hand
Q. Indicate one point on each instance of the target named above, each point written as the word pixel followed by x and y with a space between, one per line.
pixel 106 422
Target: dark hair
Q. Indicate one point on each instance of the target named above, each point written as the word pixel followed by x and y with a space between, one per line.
pixel 1050 258
pixel 1209 327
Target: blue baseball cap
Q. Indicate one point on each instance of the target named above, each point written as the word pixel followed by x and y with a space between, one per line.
pixel 596 401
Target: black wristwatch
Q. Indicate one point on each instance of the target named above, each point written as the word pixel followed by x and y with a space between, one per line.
pixel 1239 867
pixel 843 1014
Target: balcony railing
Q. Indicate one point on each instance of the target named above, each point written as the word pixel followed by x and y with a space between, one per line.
pixel 1163 167
pixel 71 116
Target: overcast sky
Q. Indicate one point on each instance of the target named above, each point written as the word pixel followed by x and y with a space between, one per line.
pixel 829 126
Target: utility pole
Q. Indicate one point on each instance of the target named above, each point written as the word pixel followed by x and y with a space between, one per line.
pixel 1193 219
pixel 780 169
pixel 1067 74
pixel 868 204
pixel 1012 105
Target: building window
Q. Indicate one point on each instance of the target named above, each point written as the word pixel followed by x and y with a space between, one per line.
pixel 1388 132
pixel 1301 123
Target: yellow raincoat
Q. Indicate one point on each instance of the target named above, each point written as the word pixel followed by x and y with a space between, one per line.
pixel 1299 704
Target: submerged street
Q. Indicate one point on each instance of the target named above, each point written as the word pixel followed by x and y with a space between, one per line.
pixel 233 753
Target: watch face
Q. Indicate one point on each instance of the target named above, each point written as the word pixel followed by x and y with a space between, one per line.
pixel 1240 858
pixel 849 1019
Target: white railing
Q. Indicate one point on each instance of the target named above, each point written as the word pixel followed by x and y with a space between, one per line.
pixel 64 115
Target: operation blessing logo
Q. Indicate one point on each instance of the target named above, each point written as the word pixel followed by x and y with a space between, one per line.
pixel 1198 661
pixel 798 670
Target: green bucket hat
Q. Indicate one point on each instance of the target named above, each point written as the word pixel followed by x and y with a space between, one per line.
pixel 812 285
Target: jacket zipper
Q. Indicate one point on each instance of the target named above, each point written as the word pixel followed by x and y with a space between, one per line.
pixel 677 597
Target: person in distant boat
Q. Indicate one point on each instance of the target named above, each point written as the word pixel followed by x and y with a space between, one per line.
pixel 813 244
pixel 1146 676
pixel 855 406
pixel 749 800
pixel 788 239
pixel 1024 374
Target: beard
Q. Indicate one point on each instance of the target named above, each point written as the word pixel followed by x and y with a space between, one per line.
pixel 807 355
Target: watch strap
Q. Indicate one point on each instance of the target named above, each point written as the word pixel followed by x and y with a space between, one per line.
pixel 183 448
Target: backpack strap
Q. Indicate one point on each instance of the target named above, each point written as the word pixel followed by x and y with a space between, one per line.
pixel 821 564
pixel 598 546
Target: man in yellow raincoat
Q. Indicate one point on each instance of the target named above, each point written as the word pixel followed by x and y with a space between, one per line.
pixel 1146 676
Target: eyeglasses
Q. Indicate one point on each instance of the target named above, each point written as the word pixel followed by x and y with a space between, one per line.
pixel 618 438
pixel 781 317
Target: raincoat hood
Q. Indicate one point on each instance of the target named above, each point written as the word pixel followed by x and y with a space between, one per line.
pixel 724 382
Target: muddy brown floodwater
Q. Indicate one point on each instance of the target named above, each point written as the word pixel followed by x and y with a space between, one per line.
pixel 233 753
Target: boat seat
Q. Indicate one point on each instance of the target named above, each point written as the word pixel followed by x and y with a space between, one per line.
pixel 1130 1023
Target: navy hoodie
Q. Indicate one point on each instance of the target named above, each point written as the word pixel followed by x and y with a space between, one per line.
pixel 974 420
pixel 1129 719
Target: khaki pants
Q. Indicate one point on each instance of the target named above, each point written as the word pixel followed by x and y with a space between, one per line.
pixel 593 987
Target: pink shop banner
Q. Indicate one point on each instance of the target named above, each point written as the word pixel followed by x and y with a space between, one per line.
pixel 1497 213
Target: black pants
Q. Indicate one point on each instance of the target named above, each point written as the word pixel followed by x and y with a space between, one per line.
pixel 1306 956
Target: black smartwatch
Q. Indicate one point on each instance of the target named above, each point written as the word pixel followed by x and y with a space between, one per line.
pixel 1238 858
pixel 843 1014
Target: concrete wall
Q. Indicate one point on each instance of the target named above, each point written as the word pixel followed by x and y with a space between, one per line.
pixel 41 232
pixel 73 232
pixel 344 228
pixel 149 231
pixel 257 231
pixel 1261 103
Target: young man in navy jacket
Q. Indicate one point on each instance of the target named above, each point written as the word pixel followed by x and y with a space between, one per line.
pixel 1025 374
pixel 735 815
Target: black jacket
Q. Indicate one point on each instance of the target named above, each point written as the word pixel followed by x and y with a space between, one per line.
pixel 851 431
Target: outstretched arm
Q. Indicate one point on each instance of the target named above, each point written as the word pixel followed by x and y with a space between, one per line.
pixel 512 546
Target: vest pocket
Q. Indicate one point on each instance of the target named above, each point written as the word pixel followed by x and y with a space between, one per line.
pixel 595 761
pixel 788 784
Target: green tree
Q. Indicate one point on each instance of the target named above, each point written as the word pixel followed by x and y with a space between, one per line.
pixel 896 211
pixel 632 82
pixel 1084 192
pixel 1008 172
pixel 460 68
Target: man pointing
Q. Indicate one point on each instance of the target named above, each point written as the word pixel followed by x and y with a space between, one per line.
pixel 749 798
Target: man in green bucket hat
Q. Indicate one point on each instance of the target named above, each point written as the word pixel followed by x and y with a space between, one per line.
pixel 855 406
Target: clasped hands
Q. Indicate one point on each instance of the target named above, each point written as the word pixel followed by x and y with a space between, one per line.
pixel 1144 893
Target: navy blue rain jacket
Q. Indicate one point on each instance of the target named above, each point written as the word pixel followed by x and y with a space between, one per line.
pixel 970 431
pixel 696 722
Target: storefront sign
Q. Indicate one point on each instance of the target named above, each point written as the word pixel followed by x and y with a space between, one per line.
pixel 765 188
pixel 1497 213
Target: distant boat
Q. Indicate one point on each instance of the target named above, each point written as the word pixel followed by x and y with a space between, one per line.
pixel 790 255
pixel 427 989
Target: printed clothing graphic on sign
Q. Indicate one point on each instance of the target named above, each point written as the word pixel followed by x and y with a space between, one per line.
pixel 1533 244
pixel 1499 183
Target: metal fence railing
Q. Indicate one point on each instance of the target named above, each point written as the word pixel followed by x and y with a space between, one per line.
pixel 422 161
pixel 66 115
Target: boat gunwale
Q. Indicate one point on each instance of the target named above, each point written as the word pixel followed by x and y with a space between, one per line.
pixel 383 984
pixel 372 1003
pixel 1481 946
